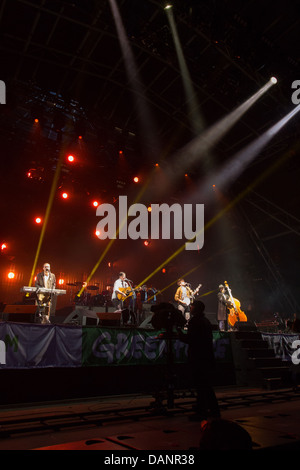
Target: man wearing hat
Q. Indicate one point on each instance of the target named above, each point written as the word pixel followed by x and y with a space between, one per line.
pixel 222 312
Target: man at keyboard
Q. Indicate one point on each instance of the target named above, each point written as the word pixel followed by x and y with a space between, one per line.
pixel 48 280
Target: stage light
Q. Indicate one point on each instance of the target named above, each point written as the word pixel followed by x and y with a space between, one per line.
pixel 36 120
pixel 136 179
pixel 121 153
pixel 164 270
pixel 80 137
pixel 149 209
pixel 38 220
pixel 3 247
pixel 95 203
pixel 147 242
pixel 61 282
pixel 168 6
pixel 71 158
pixel 11 275
pixel 273 80
pixel 97 233
pixel 65 195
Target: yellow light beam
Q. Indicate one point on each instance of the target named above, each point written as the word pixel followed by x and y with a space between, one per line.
pixel 46 219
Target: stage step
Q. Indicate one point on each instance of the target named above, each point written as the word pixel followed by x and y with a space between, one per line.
pixel 259 352
pixel 270 361
pixel 256 363
pixel 254 344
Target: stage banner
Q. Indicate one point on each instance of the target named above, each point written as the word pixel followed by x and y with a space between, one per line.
pixel 282 344
pixel 25 345
pixel 108 347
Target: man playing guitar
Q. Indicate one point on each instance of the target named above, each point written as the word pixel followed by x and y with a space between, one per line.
pixel 119 291
pixel 184 296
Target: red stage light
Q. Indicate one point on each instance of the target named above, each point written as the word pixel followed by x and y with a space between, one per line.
pixel 71 158
pixel 97 233
pixel 95 203
pixel 121 153
pixel 147 242
pixel 80 137
pixel 61 282
pixel 3 246
pixel 11 275
pixel 38 220
pixel 136 179
pixel 36 120
pixel 164 270
pixel 65 195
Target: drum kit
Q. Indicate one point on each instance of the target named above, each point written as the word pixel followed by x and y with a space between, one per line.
pixel 92 298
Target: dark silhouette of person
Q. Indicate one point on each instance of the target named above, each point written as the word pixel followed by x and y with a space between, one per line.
pixel 222 434
pixel 201 361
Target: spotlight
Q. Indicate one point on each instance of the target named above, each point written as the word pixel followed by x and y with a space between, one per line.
pixel 61 282
pixel 147 242
pixel 149 208
pixel 65 195
pixel 168 6
pixel 97 233
pixel 136 179
pixel 3 247
pixel 11 275
pixel 36 120
pixel 273 80
pixel 71 158
pixel 95 203
pixel 38 220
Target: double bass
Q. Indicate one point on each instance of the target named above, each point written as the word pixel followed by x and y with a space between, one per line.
pixel 235 313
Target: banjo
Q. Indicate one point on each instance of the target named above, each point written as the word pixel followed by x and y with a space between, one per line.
pixel 189 297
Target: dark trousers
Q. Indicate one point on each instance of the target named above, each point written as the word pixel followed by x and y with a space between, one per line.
pixel 206 400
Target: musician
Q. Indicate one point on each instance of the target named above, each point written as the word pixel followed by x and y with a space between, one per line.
pixel 184 297
pixel 222 312
pixel 119 284
pixel 47 280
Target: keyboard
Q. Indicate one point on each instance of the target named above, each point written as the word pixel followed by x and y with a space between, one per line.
pixel 43 290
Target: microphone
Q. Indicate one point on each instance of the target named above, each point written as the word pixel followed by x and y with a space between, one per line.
pixel 127 279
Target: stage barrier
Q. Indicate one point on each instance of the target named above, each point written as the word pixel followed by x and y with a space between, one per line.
pixel 25 345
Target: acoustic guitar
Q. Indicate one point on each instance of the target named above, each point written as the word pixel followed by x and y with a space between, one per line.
pixel 128 291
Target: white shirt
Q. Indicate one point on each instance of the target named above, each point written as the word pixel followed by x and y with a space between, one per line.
pixel 119 284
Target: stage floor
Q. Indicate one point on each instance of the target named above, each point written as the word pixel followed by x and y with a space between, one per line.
pixel 136 422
